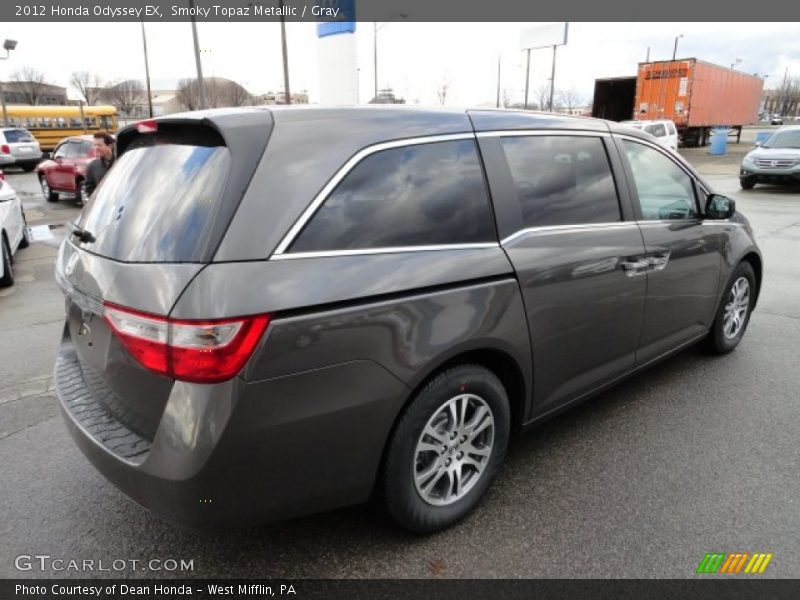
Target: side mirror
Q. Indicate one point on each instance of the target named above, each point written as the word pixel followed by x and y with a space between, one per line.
pixel 720 207
pixel 759 142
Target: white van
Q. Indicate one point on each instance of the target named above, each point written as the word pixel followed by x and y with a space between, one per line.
pixel 663 130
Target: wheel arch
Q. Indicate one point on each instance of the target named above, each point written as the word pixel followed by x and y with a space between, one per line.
pixel 758 268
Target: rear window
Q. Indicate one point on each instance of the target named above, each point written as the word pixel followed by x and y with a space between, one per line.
pixel 159 201
pixel 16 136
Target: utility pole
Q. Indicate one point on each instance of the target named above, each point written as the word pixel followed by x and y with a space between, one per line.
pixel 200 83
pixel 147 72
pixel 287 93
pixel 553 78
pixel 527 76
pixel 498 82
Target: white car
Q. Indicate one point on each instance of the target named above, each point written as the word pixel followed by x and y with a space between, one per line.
pixel 663 130
pixel 13 230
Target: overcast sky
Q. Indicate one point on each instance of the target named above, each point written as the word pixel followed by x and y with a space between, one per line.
pixel 414 58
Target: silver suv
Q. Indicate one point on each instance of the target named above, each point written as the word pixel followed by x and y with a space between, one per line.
pixel 18 148
pixel 776 160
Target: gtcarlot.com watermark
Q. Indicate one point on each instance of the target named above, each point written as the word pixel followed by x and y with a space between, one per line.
pixel 45 562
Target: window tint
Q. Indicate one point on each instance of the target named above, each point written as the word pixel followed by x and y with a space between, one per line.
pixel 562 180
pixel 61 150
pixel 665 190
pixel 417 195
pixel 17 136
pixel 159 201
pixel 86 148
pixel 73 149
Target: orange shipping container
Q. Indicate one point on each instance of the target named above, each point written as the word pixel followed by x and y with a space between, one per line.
pixel 696 95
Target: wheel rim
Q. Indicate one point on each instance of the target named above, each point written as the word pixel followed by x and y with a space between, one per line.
pixel 453 450
pixel 45 187
pixel 736 308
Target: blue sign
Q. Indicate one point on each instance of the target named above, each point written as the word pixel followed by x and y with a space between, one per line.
pixel 339 17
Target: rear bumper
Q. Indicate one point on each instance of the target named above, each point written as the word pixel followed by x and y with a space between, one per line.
pixel 9 160
pixel 239 452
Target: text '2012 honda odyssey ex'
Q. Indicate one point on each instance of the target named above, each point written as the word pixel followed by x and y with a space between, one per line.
pixel 275 312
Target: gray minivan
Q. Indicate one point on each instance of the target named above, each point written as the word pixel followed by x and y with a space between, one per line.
pixel 272 312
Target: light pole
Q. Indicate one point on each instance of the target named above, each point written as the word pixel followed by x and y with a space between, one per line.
pixel 675 48
pixel 375 30
pixel 8 46
pixel 147 72
pixel 201 87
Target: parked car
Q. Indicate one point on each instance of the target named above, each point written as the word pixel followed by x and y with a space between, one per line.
pixel 775 161
pixel 65 172
pixel 272 312
pixel 18 148
pixel 663 130
pixel 13 230
pixel 776 120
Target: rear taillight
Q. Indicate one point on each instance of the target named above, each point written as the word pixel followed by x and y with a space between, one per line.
pixel 5 149
pixel 188 350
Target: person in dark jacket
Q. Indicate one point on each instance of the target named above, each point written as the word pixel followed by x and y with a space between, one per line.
pixel 97 169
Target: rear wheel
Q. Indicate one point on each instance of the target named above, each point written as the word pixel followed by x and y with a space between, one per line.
pixel 734 311
pixel 446 449
pixel 7 280
pixel 47 191
pixel 25 241
pixel 80 192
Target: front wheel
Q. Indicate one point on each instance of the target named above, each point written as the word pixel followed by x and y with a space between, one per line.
pixel 734 311
pixel 25 241
pixel 446 449
pixel 7 280
pixel 47 191
pixel 747 183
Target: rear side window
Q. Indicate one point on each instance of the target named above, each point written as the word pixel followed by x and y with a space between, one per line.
pixel 563 180
pixel 671 128
pixel 419 195
pixel 159 200
pixel 17 136
pixel 656 129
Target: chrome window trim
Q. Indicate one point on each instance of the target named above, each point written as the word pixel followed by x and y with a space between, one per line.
pixel 566 228
pixel 343 171
pixel 542 132
pixel 385 250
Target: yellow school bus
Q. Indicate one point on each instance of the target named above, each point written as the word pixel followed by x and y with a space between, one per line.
pixel 51 124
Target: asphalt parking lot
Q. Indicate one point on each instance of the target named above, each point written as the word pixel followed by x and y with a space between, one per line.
pixel 699 454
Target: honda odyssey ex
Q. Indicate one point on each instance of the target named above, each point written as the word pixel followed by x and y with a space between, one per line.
pixel 275 312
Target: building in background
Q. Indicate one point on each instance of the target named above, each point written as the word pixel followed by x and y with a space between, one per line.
pixel 34 93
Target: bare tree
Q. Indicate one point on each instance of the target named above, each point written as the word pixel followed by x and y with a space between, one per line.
pixel 125 95
pixel 88 84
pixel 31 84
pixel 506 97
pixel 787 96
pixel 441 92
pixel 543 94
pixel 218 92
pixel 235 95
pixel 570 99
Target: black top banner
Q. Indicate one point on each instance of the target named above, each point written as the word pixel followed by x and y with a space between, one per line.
pixel 383 10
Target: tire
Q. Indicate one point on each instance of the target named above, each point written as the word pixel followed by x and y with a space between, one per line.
pixel 47 191
pixel 747 184
pixel 80 192
pixel 28 168
pixel 7 280
pixel 25 241
pixel 424 504
pixel 727 330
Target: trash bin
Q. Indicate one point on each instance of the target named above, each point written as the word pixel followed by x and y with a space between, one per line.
pixel 763 136
pixel 719 141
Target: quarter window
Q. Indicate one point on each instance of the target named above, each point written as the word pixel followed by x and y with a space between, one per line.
pixel 562 180
pixel 665 190
pixel 417 195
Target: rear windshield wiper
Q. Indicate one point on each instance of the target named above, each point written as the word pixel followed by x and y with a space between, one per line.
pixel 82 234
